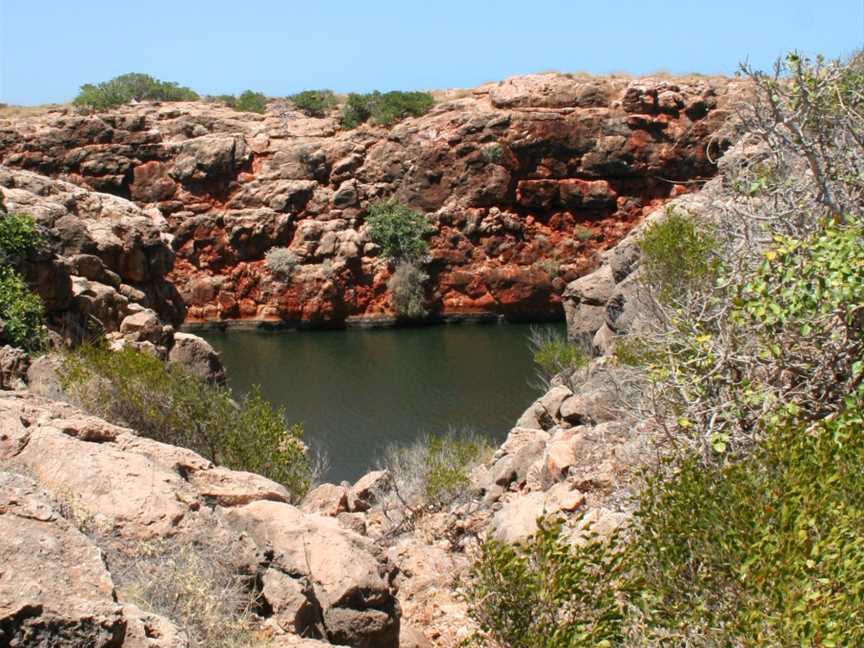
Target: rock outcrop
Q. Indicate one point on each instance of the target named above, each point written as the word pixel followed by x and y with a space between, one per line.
pixel 317 578
pixel 524 181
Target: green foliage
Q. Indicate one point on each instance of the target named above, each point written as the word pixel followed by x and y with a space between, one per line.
pixel 126 87
pixel 166 403
pixel 19 235
pixel 251 101
pixel 407 291
pixel 678 255
pixel 448 461
pixel 399 230
pixel 21 311
pixel 384 109
pixel 767 551
pixel 546 593
pixel 493 153
pixel 314 103
pixel 583 233
pixel 554 354
pixel 431 473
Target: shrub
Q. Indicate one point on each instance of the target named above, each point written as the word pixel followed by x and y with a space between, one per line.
pixel 583 233
pixel 407 291
pixel 398 230
pixel 126 87
pixel 228 100
pixel 281 262
pixel 166 403
pixel 314 103
pixel 21 311
pixel 493 153
pixel 546 593
pixel 768 551
pixel 250 101
pixel 384 109
pixel 678 254
pixel 194 587
pixel 554 354
pixel 431 473
pixel 19 235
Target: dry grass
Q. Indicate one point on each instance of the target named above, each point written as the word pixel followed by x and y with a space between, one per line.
pixel 8 111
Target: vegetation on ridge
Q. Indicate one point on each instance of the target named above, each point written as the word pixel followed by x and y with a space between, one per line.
pixel 126 87
pixel 384 109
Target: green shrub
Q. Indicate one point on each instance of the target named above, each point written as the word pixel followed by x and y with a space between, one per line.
pixel 19 235
pixel 126 87
pixel 281 262
pixel 398 230
pixel 166 403
pixel 554 354
pixel 493 153
pixel 678 254
pixel 546 593
pixel 583 233
pixel 21 311
pixel 250 101
pixel 407 291
pixel 384 109
pixel 314 103
pixel 768 551
pixel 431 473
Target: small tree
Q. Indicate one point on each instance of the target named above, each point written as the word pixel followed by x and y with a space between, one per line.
pixel 399 230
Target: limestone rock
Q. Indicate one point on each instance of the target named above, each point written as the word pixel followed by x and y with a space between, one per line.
pixel 348 581
pixel 69 603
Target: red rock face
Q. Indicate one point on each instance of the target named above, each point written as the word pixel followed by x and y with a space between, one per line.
pixel 525 182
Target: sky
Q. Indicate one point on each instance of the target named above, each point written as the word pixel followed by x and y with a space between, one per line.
pixel 49 48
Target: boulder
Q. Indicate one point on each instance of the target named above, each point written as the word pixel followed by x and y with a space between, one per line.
pixel 14 364
pixel 54 587
pixel 349 582
pixel 198 356
pixel 364 493
pixel 326 499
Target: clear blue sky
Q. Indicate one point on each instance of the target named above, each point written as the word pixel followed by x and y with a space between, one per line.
pixel 48 49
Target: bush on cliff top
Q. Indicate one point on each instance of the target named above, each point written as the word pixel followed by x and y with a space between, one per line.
pixel 384 109
pixel 167 403
pixel 314 103
pixel 250 101
pixel 126 87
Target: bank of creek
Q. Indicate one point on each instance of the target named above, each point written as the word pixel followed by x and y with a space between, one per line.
pixel 356 391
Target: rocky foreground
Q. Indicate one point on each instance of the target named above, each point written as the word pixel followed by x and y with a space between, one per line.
pixel 157 215
pixel 524 181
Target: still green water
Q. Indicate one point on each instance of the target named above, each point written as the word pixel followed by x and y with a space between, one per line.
pixel 357 391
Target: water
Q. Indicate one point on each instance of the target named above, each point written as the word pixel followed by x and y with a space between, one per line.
pixel 357 391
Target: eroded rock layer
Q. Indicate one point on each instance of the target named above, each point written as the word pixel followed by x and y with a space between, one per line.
pixel 525 181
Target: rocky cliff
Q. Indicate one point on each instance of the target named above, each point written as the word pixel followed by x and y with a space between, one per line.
pixel 524 180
